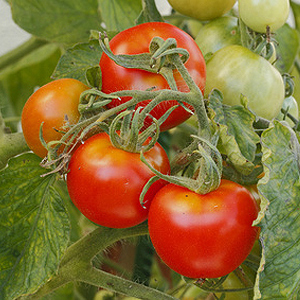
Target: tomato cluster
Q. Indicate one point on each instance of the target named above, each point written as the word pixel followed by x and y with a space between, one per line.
pixel 197 235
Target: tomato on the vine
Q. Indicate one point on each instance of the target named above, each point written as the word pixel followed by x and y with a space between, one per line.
pixel 136 40
pixel 54 105
pixel 236 70
pixel 203 10
pixel 258 14
pixel 203 236
pixel 105 182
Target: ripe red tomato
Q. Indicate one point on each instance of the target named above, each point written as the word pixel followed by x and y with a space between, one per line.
pixel 54 104
pixel 105 182
pixel 203 236
pixel 136 40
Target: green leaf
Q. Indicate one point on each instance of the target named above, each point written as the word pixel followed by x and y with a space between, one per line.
pixel 287 49
pixel 119 14
pixel 279 274
pixel 75 62
pixel 67 22
pixel 34 227
pixel 18 80
pixel 149 13
pixel 237 137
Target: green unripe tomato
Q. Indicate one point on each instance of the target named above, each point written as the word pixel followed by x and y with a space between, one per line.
pixel 258 14
pixel 233 283
pixel 236 71
pixel 104 295
pixel 290 104
pixel 218 33
pixel 203 10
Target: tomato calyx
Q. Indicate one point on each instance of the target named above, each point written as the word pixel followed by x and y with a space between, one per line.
pixel 159 59
pixel 203 173
pixel 125 132
pixel 263 44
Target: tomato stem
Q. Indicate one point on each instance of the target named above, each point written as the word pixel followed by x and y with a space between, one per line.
pixel 76 265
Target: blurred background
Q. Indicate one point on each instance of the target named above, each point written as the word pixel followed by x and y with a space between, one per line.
pixel 12 36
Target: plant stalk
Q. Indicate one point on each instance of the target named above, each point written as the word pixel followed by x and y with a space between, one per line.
pixel 17 53
pixel 77 266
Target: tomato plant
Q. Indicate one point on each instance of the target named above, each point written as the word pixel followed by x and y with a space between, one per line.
pixel 105 182
pixel 136 40
pixel 53 106
pixel 215 230
pixel 258 14
pixel 203 9
pixel 236 71
pixel 76 210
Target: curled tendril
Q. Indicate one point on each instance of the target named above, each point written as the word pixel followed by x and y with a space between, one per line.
pixel 125 131
pixel 160 49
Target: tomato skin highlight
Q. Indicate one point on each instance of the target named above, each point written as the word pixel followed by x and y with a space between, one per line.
pixel 51 104
pixel 105 182
pixel 203 236
pixel 136 40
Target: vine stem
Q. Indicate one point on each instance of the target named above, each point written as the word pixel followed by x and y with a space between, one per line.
pixel 76 265
pixel 14 55
pixel 195 98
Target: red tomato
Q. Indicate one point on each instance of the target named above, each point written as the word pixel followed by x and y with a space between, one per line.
pixel 54 104
pixel 203 236
pixel 136 40
pixel 105 182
